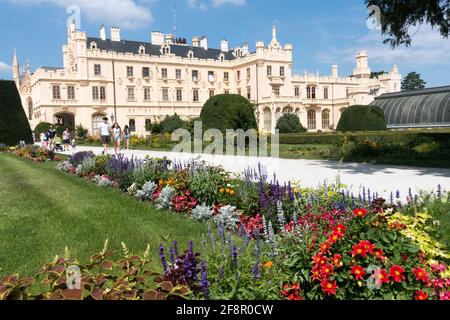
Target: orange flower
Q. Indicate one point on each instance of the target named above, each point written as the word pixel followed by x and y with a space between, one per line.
pixel 221 190
pixel 232 192
pixel 268 265
pixel 360 212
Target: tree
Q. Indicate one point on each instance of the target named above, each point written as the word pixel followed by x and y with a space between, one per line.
pixel 398 16
pixel 14 126
pixel 290 123
pixel 362 118
pixel 413 81
pixel 228 111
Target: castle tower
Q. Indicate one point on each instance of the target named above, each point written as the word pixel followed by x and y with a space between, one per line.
pixel 362 69
pixel 15 70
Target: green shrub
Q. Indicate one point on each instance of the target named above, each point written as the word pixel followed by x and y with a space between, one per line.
pixel 14 126
pixel 290 123
pixel 41 127
pixel 171 123
pixel 362 118
pixel 228 111
pixel 81 132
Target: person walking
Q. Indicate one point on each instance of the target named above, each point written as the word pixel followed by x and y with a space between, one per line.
pixel 117 137
pixel 126 135
pixel 104 131
pixel 66 139
pixel 51 137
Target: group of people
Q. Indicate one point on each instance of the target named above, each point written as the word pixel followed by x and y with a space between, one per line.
pixel 116 133
pixel 52 141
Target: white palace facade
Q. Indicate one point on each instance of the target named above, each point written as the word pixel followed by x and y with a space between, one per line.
pixel 140 82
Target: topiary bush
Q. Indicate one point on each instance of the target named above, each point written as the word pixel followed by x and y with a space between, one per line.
pixel 362 118
pixel 228 111
pixel 168 125
pixel 14 126
pixel 290 123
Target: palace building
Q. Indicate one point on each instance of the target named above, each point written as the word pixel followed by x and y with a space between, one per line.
pixel 139 82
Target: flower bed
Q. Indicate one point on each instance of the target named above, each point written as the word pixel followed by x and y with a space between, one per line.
pixel 34 153
pixel 273 241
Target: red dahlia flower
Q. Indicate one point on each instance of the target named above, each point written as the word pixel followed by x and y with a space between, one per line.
pixel 379 254
pixel 397 273
pixel 329 287
pixel 358 272
pixel 337 260
pixel 420 295
pixel 362 248
pixel 360 212
pixel 421 274
pixel 327 270
pixel 339 230
pixel 319 259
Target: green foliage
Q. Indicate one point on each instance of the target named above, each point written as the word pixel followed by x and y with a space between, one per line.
pixel 205 184
pixel 290 123
pixel 228 111
pixel 398 16
pixel 14 126
pixel 413 81
pixel 41 127
pixel 362 118
pixel 81 132
pixel 168 125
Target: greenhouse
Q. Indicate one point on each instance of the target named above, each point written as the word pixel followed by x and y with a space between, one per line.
pixel 428 108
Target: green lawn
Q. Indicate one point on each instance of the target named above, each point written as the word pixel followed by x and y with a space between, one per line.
pixel 43 210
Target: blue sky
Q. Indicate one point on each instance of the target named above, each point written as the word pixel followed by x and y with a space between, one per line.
pixel 322 32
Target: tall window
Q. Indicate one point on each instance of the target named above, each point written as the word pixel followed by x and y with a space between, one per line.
pixel 276 91
pixel 211 76
pixel 211 93
pixel 226 76
pixel 312 125
pixel 30 109
pixel 325 119
pixel 97 70
pixel 311 92
pixel 147 96
pixel 194 75
pixel 148 125
pixel 249 73
pixel 281 71
pixel 325 93
pixel 102 93
pixel 130 94
pixel 297 91
pixel 130 72
pixel 95 93
pixel 195 95
pixel 164 73
pixel 238 76
pixel 240 91
pixel 132 125
pixel 226 92
pixel 249 93
pixel 165 94
pixel 146 72
pixel 70 92
pixel 179 95
pixel 178 74
pixel 56 92
pixel 269 70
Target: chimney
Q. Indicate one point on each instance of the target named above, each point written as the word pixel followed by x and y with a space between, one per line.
pixel 204 43
pixel 103 32
pixel 169 39
pixel 157 38
pixel 224 46
pixel 115 34
pixel 195 41
pixel 335 71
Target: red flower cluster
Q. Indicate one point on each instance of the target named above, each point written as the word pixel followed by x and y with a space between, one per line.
pixel 420 295
pixel 358 272
pixel 397 273
pixel 421 275
pixel 363 248
pixel 184 203
pixel 329 287
pixel 292 292
pixel 252 224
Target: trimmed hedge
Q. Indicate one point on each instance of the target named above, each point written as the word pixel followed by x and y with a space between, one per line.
pixel 290 123
pixel 14 126
pixel 362 118
pixel 228 111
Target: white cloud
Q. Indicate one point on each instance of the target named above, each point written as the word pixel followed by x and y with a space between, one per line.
pixel 128 14
pixel 4 67
pixel 218 3
pixel 428 48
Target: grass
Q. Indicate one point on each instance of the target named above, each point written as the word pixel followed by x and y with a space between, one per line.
pixel 43 210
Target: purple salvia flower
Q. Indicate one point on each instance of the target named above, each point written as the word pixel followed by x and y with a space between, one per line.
pixel 204 283
pixel 163 258
pixel 172 256
pixel 175 248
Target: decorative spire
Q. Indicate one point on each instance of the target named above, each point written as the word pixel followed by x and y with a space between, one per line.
pixel 15 62
pixel 27 67
pixel 274 34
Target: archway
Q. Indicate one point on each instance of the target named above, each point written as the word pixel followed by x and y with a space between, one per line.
pixel 64 119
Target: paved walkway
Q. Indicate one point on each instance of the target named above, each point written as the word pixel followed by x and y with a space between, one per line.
pixel 380 178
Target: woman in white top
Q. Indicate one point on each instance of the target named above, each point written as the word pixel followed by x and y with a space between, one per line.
pixel 117 137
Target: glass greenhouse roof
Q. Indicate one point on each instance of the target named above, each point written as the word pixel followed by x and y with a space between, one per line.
pixel 417 108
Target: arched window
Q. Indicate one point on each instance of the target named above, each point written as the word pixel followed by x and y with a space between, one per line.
pixel 267 119
pixel 325 119
pixel 288 110
pixel 97 119
pixel 93 45
pixel 312 125
pixel 30 109
pixel 132 125
pixel 190 54
pixel 166 49
pixel 222 57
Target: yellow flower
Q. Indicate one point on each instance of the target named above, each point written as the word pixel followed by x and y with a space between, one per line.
pixel 232 192
pixel 221 190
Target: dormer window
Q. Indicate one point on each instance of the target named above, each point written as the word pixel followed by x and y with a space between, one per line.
pixel 165 49
pixel 222 57
pixel 141 50
pixel 190 54
pixel 93 45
